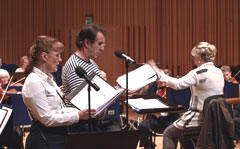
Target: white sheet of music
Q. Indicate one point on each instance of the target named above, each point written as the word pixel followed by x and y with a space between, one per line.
pixel 5 114
pixel 140 103
pixel 138 78
pixel 99 99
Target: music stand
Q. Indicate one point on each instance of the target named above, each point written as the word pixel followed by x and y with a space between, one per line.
pixel 170 108
pixel 103 140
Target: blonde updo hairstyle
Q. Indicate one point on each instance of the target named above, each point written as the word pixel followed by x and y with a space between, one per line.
pixel 205 50
pixel 42 44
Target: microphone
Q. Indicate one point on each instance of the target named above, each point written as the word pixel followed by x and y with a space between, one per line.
pixel 121 54
pixel 82 74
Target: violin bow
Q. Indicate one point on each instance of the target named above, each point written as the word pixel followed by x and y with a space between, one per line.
pixel 19 80
pixel 236 74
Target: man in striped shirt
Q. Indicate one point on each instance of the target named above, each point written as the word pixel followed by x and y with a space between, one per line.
pixel 90 43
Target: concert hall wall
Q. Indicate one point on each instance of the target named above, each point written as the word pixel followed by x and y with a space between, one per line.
pixel 163 30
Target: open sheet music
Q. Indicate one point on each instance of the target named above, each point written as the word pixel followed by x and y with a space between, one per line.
pixel 5 114
pixel 138 78
pixel 100 100
pixel 141 104
pixel 147 104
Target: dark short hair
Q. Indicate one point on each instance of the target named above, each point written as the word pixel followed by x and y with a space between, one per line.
pixel 89 32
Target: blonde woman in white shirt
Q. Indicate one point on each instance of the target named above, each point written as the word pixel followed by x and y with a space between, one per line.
pixel 206 80
pixel 43 97
pixel 24 62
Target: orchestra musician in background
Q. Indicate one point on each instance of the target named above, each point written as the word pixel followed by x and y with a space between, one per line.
pixel 4 77
pixel 11 136
pixel 90 43
pixel 9 67
pixel 229 82
pixel 24 62
pixel 159 121
pixel 5 86
pixel 206 80
pixel 43 98
pixel 227 73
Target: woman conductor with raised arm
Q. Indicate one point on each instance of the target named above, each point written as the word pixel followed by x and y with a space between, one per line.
pixel 206 80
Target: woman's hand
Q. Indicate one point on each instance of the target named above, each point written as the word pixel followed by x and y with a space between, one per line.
pixel 84 114
pixel 155 67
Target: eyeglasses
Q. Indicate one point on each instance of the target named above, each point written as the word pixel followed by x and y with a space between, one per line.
pixel 101 44
pixel 58 55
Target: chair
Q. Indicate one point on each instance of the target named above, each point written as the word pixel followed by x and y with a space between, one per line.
pixel 156 134
pixel 128 125
pixel 193 134
pixel 218 128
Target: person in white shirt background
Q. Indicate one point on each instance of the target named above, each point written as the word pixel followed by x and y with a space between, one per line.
pixel 24 62
pixel 43 97
pixel 206 80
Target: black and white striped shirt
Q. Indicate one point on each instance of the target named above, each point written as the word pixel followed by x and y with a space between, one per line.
pixel 70 80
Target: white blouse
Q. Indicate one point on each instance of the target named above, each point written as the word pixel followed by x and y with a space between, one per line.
pixel 204 81
pixel 43 102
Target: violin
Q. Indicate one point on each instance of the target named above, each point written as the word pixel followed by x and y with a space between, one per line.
pixel 4 95
pixel 5 92
pixel 233 80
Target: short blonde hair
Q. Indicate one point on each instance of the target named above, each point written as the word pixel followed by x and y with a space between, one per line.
pixel 22 60
pixel 4 73
pixel 226 68
pixel 205 50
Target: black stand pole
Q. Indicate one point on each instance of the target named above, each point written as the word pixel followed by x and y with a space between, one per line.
pixel 127 63
pixel 89 109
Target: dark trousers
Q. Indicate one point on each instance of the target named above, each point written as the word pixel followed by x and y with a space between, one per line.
pixel 172 135
pixel 51 141
pixel 42 137
pixel 157 125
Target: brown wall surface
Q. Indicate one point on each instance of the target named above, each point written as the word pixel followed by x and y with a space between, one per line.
pixel 163 30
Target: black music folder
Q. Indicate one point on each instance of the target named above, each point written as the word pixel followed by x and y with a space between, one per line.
pixel 103 140
pixel 5 114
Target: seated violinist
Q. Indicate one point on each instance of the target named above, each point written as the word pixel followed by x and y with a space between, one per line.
pixel 227 73
pixel 5 84
pixel 11 135
pixel 4 77
pixel 159 121
pixel 229 89
pixel 228 84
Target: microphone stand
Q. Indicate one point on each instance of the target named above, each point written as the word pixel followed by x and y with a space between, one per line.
pixel 89 109
pixel 127 63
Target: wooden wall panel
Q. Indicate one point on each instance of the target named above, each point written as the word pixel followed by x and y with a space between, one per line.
pixel 163 30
